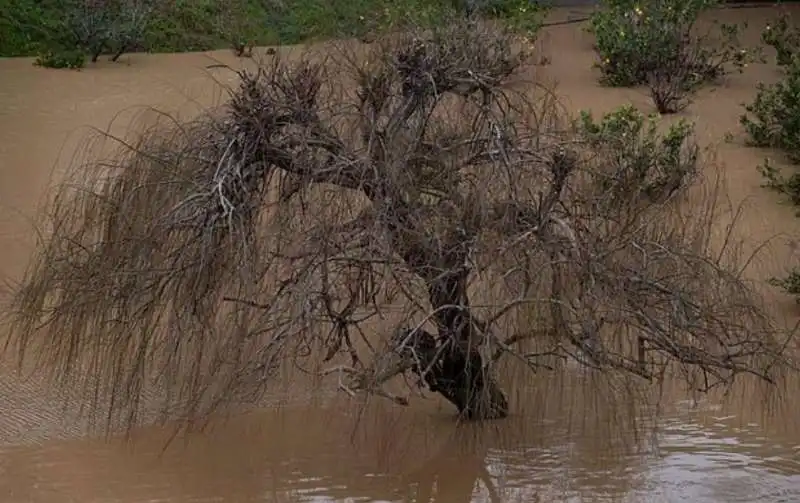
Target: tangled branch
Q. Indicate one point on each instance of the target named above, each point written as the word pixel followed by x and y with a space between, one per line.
pixel 423 178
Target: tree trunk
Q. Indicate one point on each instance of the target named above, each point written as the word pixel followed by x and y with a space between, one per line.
pixel 460 377
pixel 119 52
pixel 452 365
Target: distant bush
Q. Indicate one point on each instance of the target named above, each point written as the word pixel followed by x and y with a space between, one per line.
pixel 653 42
pixel 785 39
pixel 64 58
pixel 108 26
pixel 773 120
pixel 523 16
pixel 112 27
pixel 90 28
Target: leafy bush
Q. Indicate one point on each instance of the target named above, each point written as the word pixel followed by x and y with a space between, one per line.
pixel 789 186
pixel 783 38
pixel 64 58
pixel 652 42
pixel 523 16
pixel 645 161
pixel 111 26
pixel 773 119
pixel 24 25
pixel 184 25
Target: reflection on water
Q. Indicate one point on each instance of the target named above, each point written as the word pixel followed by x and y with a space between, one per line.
pixel 291 456
pixel 549 451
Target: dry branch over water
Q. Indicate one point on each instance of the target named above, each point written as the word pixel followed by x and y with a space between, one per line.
pixel 422 177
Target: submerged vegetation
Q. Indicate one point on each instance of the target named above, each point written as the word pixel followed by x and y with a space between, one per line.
pixel 772 120
pixel 425 191
pixel 658 43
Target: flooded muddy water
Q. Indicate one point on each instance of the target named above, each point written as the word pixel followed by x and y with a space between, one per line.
pixel 562 443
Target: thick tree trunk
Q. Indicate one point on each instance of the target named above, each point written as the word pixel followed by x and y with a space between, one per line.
pixel 460 377
pixel 119 53
pixel 452 365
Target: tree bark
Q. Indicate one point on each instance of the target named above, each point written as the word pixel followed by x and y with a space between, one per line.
pixel 460 377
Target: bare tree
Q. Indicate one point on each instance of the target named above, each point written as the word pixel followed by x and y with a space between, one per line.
pixel 422 178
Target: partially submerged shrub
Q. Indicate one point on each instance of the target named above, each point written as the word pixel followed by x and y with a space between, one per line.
pixel 789 186
pixel 654 42
pixel 523 16
pixel 783 37
pixel 773 118
pixel 64 58
pixel 646 162
pixel 204 256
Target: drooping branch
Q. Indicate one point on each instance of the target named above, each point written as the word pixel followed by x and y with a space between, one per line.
pixel 411 184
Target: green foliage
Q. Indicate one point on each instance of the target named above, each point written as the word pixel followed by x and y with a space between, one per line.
pixel 785 39
pixel 106 26
pixel 641 159
pixel 773 119
pixel 297 21
pixel 655 42
pixel 64 58
pixel 45 27
pixel 523 16
pixel 184 25
pixel 25 25
pixel 775 180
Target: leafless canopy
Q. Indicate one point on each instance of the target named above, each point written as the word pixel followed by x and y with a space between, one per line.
pixel 412 207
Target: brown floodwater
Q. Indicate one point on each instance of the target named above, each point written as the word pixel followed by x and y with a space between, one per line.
pixel 569 438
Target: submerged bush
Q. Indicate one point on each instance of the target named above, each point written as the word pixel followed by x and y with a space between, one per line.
pixel 773 118
pixel 783 37
pixel 63 58
pixel 647 162
pixel 523 16
pixel 653 42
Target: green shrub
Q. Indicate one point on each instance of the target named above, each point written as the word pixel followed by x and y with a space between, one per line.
pixel 25 26
pixel 45 26
pixel 654 42
pixel 789 186
pixel 523 16
pixel 640 160
pixel 65 58
pixel 184 25
pixel 783 38
pixel 773 119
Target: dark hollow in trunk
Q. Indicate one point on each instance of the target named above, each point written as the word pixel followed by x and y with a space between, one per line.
pixel 459 375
